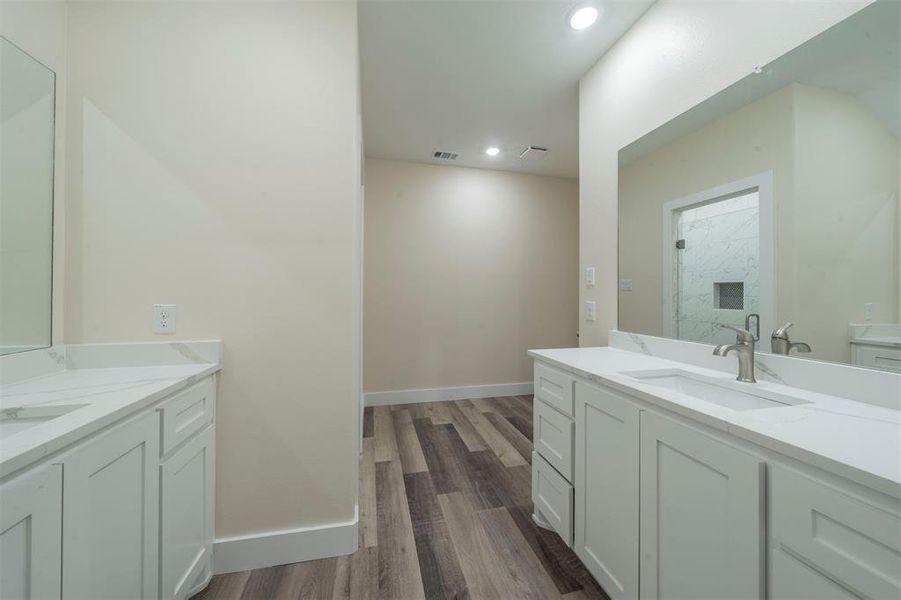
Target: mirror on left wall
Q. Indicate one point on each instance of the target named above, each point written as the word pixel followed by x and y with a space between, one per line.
pixel 27 96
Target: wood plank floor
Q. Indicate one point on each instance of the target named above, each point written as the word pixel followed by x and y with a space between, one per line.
pixel 445 512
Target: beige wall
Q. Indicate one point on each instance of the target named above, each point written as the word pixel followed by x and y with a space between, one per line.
pixel 39 28
pixel 844 234
pixel 835 190
pixel 757 138
pixel 214 153
pixel 465 269
pixel 677 55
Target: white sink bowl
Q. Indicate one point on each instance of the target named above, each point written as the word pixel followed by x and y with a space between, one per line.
pixel 730 394
pixel 20 418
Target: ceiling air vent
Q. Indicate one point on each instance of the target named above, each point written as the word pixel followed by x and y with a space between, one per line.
pixel 444 155
pixel 532 153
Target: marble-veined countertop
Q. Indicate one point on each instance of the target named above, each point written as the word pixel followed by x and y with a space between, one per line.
pixel 103 395
pixel 855 440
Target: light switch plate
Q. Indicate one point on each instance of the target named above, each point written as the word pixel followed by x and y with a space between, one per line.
pixel 164 318
pixel 589 276
pixel 625 285
pixel 590 311
pixel 868 311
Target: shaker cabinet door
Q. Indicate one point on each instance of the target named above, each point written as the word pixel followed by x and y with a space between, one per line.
pixel 111 514
pixel 606 488
pixel 703 510
pixel 186 480
pixel 31 534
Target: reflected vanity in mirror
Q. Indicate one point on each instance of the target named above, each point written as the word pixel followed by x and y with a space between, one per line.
pixel 774 205
pixel 27 95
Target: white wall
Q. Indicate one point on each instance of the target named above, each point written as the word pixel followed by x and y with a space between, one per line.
pixel 465 270
pixel 39 28
pixel 680 53
pixel 214 151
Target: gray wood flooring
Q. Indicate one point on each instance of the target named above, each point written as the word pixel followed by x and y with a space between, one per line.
pixel 445 512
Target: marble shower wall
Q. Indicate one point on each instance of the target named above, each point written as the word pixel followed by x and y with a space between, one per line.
pixel 721 246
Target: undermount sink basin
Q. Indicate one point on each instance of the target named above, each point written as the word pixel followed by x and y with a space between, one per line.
pixel 20 418
pixel 725 393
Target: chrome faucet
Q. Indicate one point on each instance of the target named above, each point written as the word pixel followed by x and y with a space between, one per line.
pixel 780 344
pixel 744 350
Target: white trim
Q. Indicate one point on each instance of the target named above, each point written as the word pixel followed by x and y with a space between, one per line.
pixel 495 390
pixel 763 183
pixel 257 551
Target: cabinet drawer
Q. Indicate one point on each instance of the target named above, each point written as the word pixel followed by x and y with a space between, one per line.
pixel 186 413
pixel 842 537
pixel 553 497
pixel 554 387
pixel 553 435
pixel 878 357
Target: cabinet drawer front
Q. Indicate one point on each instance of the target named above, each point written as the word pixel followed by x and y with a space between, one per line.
pixel 879 357
pixel 186 515
pixel 186 413
pixel 553 435
pixel 849 540
pixel 554 387
pixel 553 497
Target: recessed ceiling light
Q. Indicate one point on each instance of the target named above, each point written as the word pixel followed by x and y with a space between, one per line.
pixel 583 18
pixel 493 151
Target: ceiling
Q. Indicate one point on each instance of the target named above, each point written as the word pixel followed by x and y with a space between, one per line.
pixel 462 76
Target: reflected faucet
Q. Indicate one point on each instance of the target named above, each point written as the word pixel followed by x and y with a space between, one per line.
pixel 744 350
pixel 780 344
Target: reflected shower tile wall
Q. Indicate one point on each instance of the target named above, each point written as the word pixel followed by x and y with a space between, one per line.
pixel 721 245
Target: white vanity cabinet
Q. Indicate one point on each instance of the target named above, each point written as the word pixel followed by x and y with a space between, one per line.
pixel 111 513
pixel 606 488
pixel 832 542
pixel 30 540
pixel 552 460
pixel 703 515
pixel 665 506
pixel 126 513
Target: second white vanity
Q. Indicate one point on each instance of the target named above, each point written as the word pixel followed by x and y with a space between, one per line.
pixel 671 480
pixel 106 471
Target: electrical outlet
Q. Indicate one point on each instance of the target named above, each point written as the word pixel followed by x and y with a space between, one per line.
pixel 164 318
pixel 868 311
pixel 590 311
pixel 625 285
pixel 589 276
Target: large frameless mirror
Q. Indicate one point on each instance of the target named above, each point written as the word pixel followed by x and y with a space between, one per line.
pixel 774 205
pixel 27 96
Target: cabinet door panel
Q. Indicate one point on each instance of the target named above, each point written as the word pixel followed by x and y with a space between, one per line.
pixel 606 483
pixel 554 387
pixel 111 514
pixel 186 480
pixel 553 435
pixel 702 515
pixel 552 496
pixel 31 534
pixel 846 539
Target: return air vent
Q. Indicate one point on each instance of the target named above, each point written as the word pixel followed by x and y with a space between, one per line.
pixel 533 153
pixel 445 155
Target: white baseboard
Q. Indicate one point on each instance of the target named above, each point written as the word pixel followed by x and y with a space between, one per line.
pixel 451 393
pixel 257 551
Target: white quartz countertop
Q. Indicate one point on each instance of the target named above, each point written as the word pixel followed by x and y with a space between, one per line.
pixel 855 440
pixel 104 396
